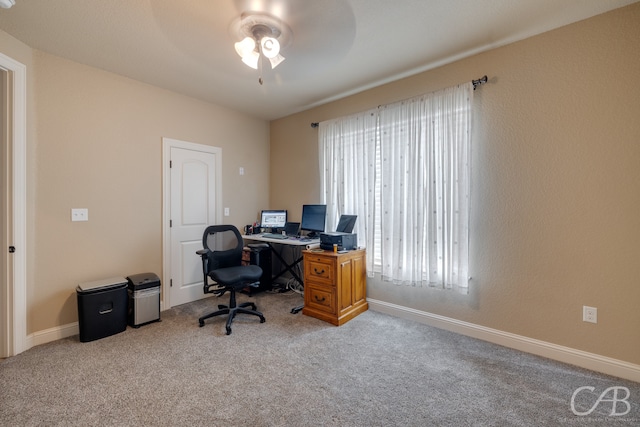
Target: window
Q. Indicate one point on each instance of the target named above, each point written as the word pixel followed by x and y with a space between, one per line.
pixel 404 170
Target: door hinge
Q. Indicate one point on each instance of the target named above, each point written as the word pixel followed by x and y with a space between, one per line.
pixel 170 164
pixel 12 249
pixel 171 283
pixel 170 223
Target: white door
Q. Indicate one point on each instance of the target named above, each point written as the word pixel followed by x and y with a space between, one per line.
pixel 194 192
pixel 4 220
pixel 13 285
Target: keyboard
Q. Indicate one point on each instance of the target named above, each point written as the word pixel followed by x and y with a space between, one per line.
pixel 274 236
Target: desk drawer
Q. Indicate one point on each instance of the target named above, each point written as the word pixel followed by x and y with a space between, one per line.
pixel 320 298
pixel 320 270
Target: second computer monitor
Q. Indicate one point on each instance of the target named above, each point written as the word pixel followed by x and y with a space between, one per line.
pixel 313 218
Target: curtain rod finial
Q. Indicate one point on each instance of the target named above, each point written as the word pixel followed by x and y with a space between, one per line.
pixel 314 125
pixel 480 81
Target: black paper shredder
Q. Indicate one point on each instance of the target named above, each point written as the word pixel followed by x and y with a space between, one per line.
pixel 102 308
pixel 144 299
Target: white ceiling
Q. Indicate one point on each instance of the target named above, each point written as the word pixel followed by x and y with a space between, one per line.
pixel 338 47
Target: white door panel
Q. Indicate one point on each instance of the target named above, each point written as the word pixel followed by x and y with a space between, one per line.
pixel 191 264
pixel 194 176
pixel 195 192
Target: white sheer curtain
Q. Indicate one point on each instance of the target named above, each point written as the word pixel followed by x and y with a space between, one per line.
pixel 424 145
pixel 347 152
pixel 404 170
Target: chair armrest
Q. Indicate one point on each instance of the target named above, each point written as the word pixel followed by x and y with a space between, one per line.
pixel 204 254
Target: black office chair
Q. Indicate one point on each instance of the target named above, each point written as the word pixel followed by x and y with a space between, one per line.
pixel 222 262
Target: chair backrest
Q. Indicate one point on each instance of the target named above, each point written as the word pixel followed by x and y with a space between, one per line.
pixel 225 245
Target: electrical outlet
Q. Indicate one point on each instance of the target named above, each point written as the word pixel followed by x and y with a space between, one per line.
pixel 226 211
pixel 241 170
pixel 589 314
pixel 80 214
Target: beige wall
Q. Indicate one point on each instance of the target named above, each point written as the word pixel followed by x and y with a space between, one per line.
pixel 95 141
pixel 556 184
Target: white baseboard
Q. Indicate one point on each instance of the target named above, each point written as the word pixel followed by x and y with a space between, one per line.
pixel 59 332
pixel 583 359
pixel 52 334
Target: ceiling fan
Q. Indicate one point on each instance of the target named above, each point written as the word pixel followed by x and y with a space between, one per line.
pixel 6 4
pixel 312 35
pixel 264 36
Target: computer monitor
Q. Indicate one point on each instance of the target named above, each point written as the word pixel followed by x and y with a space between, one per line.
pixel 313 218
pixel 346 223
pixel 273 218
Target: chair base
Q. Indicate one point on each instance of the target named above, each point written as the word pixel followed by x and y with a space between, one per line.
pixel 232 309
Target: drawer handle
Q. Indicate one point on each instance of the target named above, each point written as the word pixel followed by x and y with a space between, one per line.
pixel 319 299
pixel 318 272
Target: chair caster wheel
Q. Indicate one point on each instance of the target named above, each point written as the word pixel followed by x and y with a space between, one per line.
pixel 262 320
pixel 201 322
pixel 228 331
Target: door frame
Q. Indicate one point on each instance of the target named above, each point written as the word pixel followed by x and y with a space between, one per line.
pixel 167 145
pixel 16 284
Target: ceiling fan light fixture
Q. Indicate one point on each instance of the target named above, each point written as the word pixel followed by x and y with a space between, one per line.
pixel 270 47
pixel 251 59
pixel 276 60
pixel 245 47
pixel 6 4
pixel 262 34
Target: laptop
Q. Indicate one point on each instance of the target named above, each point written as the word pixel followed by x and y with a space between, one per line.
pixel 346 223
pixel 292 228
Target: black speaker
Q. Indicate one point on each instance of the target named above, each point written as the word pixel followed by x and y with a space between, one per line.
pixel 260 255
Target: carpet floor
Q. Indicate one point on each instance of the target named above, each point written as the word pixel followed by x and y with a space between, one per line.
pixel 294 370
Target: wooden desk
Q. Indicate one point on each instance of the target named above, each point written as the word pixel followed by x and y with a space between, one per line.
pixel 335 285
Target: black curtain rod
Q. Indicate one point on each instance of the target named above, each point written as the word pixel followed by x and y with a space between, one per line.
pixel 482 80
